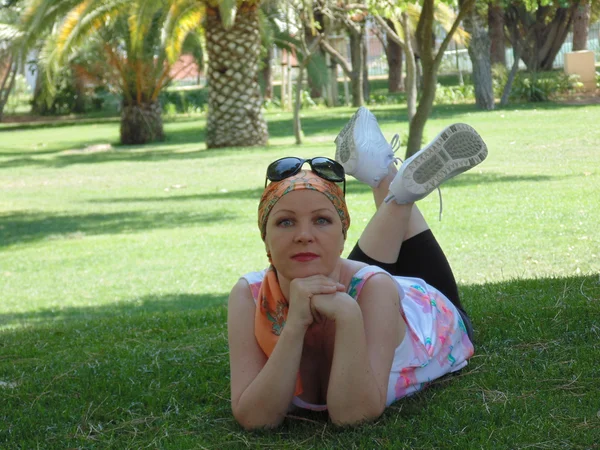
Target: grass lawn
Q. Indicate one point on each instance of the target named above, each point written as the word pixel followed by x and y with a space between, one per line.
pixel 115 266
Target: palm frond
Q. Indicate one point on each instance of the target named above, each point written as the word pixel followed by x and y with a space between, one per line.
pixel 181 21
pixel 9 33
pixel 445 16
pixel 228 10
pixel 140 20
pixel 83 20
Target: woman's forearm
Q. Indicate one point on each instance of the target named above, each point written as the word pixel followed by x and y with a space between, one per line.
pixel 266 400
pixel 353 394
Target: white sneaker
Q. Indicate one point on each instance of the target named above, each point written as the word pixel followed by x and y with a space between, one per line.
pixel 362 149
pixel 455 150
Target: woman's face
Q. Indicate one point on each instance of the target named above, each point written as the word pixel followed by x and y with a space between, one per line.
pixel 304 235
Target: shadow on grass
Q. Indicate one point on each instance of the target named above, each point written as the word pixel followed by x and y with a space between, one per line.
pixel 352 187
pixel 27 227
pixel 319 122
pixel 535 363
pixel 151 304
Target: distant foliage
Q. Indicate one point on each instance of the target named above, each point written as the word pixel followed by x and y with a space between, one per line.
pixel 184 100
pixel 454 94
pixel 535 86
pixel 544 86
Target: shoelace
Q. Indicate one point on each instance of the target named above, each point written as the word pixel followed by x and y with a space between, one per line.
pixel 395 143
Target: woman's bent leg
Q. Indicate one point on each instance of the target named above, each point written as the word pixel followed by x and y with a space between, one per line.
pixel 398 240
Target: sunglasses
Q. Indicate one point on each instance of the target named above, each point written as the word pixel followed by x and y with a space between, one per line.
pixel 326 168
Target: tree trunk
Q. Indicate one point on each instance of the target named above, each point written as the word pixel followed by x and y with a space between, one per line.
pixel 333 83
pixel 393 52
pixel 79 87
pixel 141 124
pixel 235 116
pixel 38 104
pixel 411 69
pixel 581 22
pixel 543 34
pixel 315 79
pixel 479 52
pixel 511 75
pixel 7 83
pixel 431 64
pixel 298 105
pixel 496 34
pixel 267 73
pixel 365 52
pixel 356 56
pixel 417 124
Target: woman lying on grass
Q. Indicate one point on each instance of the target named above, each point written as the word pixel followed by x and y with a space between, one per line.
pixel 349 336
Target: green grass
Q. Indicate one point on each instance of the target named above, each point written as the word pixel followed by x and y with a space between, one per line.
pixel 115 267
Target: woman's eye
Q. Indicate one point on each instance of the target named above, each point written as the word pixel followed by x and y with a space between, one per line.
pixel 284 223
pixel 323 221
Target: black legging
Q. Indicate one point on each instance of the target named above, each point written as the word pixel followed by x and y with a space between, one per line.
pixel 422 257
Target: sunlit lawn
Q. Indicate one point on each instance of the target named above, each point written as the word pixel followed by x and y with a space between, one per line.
pixel 115 266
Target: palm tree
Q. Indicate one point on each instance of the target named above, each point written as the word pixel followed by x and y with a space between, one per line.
pixel 9 55
pixel 233 45
pixel 140 40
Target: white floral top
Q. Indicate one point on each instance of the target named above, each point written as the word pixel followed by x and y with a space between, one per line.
pixel 436 342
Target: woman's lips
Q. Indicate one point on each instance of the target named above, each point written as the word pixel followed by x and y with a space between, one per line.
pixel 304 257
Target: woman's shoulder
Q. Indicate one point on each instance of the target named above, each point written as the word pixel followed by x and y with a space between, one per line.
pixel 358 274
pixel 251 282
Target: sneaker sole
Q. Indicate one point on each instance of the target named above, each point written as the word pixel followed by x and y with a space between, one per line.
pixel 345 148
pixel 456 149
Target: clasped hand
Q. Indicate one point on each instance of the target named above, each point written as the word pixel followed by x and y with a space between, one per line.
pixel 314 298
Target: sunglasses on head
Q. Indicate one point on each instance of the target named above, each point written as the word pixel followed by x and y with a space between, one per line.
pixel 326 168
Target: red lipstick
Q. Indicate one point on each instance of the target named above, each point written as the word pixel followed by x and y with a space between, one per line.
pixel 304 257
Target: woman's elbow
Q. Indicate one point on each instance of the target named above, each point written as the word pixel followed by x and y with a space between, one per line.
pixel 251 421
pixel 349 417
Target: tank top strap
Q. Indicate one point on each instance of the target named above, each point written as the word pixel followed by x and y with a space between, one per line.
pixel 360 278
pixel 254 280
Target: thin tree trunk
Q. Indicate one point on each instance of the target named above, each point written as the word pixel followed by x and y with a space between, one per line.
pixel 365 52
pixel 297 105
pixel 393 52
pixel 417 124
pixel 411 70
pixel 78 85
pixel 407 47
pixel 511 75
pixel 8 82
pixel 581 22
pixel 479 52
pixel 334 83
pixel 496 33
pixel 431 64
pixel 356 80
pixel 316 81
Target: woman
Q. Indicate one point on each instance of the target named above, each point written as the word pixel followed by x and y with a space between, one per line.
pixel 318 331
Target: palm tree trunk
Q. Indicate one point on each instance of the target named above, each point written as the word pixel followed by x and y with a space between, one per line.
pixel 141 124
pixel 235 116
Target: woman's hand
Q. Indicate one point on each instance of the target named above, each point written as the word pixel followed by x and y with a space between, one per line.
pixel 333 306
pixel 302 293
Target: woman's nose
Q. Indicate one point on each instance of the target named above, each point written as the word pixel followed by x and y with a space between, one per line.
pixel 304 234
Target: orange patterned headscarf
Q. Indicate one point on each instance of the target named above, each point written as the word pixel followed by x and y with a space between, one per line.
pixel 272 307
pixel 305 179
